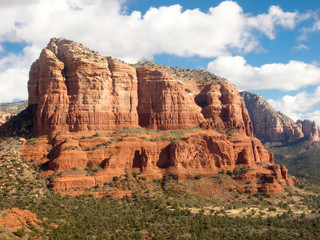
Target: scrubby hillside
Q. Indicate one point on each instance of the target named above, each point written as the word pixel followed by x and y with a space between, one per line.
pixel 136 208
pixel 8 110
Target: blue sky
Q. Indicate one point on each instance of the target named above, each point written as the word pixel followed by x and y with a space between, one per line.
pixel 267 47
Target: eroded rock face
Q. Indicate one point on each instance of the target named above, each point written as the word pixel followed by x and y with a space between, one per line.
pixel 270 125
pixel 78 90
pixel 223 107
pixel 163 102
pixel 202 152
pixel 80 93
pixel 310 129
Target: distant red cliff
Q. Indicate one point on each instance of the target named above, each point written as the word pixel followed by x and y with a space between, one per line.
pixel 273 126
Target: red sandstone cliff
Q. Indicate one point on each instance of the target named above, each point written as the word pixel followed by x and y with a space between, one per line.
pixel 80 93
pixel 271 125
pixel 78 90
pixel 163 102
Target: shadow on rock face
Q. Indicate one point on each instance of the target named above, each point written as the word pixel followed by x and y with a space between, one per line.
pixel 20 125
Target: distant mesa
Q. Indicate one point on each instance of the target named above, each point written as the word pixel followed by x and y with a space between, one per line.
pixel 270 125
pixel 95 112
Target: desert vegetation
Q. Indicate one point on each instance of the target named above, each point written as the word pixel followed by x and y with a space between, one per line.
pixel 157 209
pixel 300 157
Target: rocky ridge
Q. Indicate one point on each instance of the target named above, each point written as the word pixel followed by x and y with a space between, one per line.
pixel 9 110
pixel 99 113
pixel 274 126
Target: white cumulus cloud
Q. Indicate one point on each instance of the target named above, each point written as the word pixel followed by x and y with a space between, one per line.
pixel 103 26
pixel 14 73
pixel 290 76
pixel 306 31
pixel 266 23
pixel 303 105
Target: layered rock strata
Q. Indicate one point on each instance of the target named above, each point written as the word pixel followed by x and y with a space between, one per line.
pixel 163 102
pixel 223 108
pixel 100 113
pixel 78 90
pixel 201 152
pixel 274 126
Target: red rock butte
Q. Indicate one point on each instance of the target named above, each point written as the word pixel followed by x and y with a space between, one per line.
pixel 95 111
pixel 273 126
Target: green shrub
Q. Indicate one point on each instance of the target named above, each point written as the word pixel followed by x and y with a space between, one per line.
pixel 62 133
pixel 32 141
pixel 272 209
pixel 72 148
pixel 230 173
pixel 143 178
pixel 20 233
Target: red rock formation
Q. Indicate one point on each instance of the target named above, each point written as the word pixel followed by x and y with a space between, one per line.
pixel 67 155
pixel 199 153
pixel 15 219
pixel 80 92
pixel 310 129
pixel 163 103
pixel 270 125
pixel 223 107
